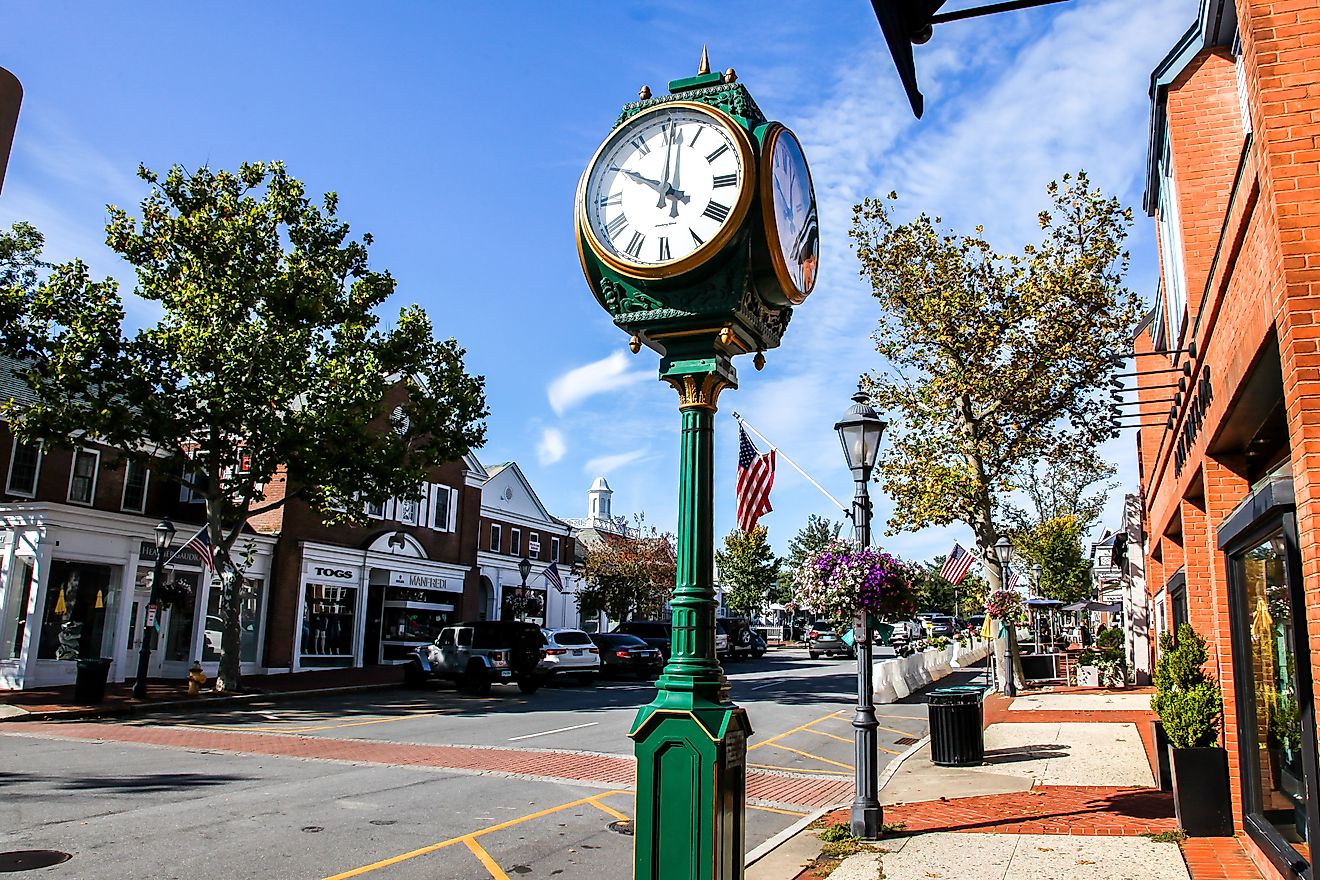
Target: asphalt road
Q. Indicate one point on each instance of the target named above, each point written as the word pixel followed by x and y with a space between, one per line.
pixel 367 785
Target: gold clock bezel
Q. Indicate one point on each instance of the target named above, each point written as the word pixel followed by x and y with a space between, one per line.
pixel 795 294
pixel 747 192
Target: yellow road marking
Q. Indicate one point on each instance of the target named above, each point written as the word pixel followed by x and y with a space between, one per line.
pixel 776 810
pixel 894 730
pixel 810 755
pixel 774 739
pixel 797 770
pixel 830 735
pixel 462 838
pixel 496 872
pixel 613 812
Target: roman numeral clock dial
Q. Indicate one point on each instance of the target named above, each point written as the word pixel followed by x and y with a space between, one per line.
pixel 667 190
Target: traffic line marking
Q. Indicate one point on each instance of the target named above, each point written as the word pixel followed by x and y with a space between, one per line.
pixel 472 836
pixel 830 735
pixel 776 810
pixel 811 756
pixel 772 740
pixel 798 770
pixel 595 802
pixel 556 730
pixel 496 872
pixel 763 686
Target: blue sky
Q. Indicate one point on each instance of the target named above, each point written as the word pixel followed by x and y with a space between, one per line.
pixel 455 134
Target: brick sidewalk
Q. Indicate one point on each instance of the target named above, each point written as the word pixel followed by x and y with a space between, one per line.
pixel 790 790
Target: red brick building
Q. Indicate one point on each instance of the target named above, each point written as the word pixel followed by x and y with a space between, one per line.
pixel 1230 485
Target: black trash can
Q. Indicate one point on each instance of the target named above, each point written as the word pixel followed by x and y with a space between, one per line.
pixel 89 685
pixel 956 736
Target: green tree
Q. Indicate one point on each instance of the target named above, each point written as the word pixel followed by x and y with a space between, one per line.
pixel 992 361
pixel 817 532
pixel 268 356
pixel 934 593
pixel 748 569
pixel 1057 487
pixel 1056 546
pixel 625 576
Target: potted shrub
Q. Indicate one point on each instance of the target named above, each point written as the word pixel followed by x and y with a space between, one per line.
pixel 1110 662
pixel 1190 706
pixel 1088 669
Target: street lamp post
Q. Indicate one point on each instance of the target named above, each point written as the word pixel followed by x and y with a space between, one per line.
pixel 524 569
pixel 164 535
pixel 1004 551
pixel 1035 589
pixel 860 431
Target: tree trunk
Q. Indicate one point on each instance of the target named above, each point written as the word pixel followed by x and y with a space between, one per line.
pixel 231 586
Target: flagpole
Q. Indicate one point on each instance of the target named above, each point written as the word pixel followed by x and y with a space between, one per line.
pixel 184 545
pixel 741 421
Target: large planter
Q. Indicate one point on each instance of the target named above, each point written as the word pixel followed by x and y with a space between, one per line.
pixel 1200 791
pixel 1088 676
pixel 1163 772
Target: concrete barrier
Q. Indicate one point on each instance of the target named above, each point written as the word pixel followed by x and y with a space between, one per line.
pixel 898 677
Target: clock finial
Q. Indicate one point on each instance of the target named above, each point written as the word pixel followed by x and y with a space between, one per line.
pixel 644 93
pixel 704 67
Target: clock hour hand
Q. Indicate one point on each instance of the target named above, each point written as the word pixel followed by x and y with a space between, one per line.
pixel 637 178
pixel 671 189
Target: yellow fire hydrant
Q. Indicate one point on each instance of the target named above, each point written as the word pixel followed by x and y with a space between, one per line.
pixel 196 678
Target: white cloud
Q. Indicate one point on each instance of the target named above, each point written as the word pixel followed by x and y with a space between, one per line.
pixel 552 446
pixel 598 377
pixel 603 464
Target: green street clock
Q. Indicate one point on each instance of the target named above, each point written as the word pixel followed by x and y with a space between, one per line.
pixel 696 208
pixel 697 229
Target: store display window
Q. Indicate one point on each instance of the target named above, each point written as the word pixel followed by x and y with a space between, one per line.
pixel 249 622
pixel 80 599
pixel 412 616
pixel 329 611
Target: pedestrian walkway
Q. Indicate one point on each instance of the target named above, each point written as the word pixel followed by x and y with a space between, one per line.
pixel 765 789
pixel 1027 812
pixel 168 694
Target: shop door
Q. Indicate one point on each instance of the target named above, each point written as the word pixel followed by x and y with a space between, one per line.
pixel 371 632
pixel 136 619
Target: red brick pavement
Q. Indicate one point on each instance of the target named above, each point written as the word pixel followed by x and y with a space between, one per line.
pixel 1045 809
pixel 797 790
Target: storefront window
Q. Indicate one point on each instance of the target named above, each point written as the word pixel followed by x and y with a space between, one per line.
pixel 327 627
pixel 249 619
pixel 17 597
pixel 80 599
pixel 1280 786
pixel 179 636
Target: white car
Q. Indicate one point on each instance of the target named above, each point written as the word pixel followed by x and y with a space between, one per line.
pixel 570 652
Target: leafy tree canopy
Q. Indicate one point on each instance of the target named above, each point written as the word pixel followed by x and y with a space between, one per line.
pixel 268 352
pixel 1057 487
pixel 1056 546
pixel 992 360
pixel 627 577
pixel 748 569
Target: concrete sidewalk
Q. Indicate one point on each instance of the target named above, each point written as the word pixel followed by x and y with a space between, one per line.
pixel 1035 809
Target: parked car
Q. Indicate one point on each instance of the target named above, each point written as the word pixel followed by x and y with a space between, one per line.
pixel 941 625
pixel 479 653
pixel 905 632
pixel 975 622
pixel 822 638
pixel 570 652
pixel 741 638
pixel 621 654
pixel 657 634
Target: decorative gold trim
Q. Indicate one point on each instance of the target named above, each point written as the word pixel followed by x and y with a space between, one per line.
pixel 698 390
pixel 791 290
pixel 746 194
pixel 731 339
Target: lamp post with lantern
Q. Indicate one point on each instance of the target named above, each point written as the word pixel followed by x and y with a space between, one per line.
pixel 1004 552
pixel 164 534
pixel 860 431
pixel 524 569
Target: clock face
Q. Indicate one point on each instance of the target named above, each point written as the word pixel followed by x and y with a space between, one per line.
pixel 789 205
pixel 667 189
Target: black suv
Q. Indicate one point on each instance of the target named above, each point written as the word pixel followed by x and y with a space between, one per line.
pixel 655 633
pixel 479 653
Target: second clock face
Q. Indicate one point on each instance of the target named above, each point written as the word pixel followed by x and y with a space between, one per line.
pixel 666 186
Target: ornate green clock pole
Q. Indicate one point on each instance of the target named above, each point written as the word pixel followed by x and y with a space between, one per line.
pixel 697 231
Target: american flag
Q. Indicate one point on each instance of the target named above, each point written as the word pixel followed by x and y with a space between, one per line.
pixel 201 543
pixel 756 474
pixel 1012 578
pixel 957 564
pixel 552 575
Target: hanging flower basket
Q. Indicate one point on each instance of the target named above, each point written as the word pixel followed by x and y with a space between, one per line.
pixel 1006 605
pixel 175 593
pixel 838 580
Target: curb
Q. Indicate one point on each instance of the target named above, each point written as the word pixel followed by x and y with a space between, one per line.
pixel 893 765
pixel 786 835
pixel 206 703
